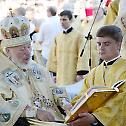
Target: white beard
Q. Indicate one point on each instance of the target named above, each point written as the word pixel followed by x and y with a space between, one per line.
pixel 21 65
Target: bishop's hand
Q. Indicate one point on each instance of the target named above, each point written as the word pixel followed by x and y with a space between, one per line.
pixel 43 115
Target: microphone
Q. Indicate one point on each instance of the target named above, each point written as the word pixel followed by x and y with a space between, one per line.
pixel 89 36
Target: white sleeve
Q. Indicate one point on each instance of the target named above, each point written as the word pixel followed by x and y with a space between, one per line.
pixel 40 36
pixel 122 7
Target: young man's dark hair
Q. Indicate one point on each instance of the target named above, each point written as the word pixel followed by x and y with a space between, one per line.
pixel 111 31
pixel 66 13
pixel 52 10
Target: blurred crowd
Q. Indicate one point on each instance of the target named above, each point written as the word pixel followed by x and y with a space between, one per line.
pixel 79 7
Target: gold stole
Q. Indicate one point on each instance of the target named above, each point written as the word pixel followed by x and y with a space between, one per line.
pixel 16 106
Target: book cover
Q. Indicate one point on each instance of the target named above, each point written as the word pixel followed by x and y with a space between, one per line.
pixel 93 99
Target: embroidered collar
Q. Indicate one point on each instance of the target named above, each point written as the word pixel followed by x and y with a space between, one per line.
pixel 68 30
pixel 110 62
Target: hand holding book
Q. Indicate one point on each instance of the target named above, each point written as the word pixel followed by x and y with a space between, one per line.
pixel 94 98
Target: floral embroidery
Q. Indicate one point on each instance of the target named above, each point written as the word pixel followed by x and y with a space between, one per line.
pixel 12 77
pixel 37 73
pixel 4 116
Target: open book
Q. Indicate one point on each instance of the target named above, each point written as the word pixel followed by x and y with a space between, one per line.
pixel 93 99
